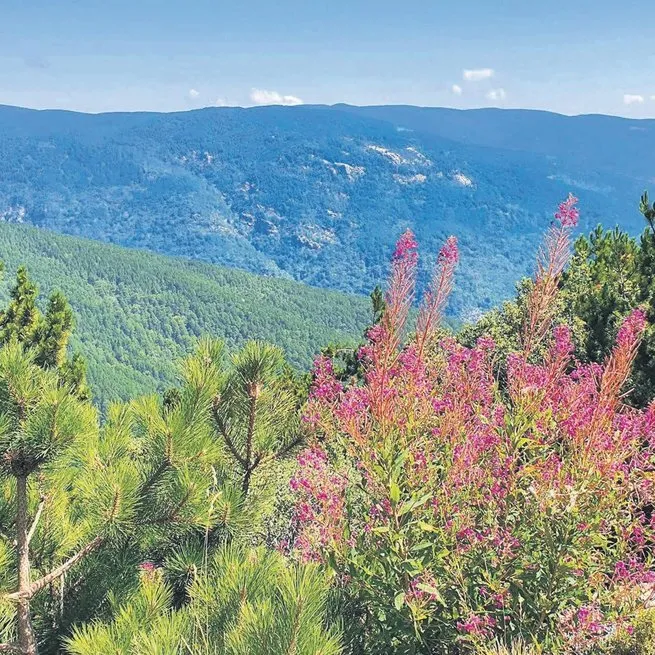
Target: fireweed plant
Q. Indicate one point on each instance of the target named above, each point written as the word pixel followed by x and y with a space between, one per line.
pixel 457 511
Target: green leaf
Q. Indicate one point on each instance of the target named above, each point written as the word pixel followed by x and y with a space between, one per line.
pixel 399 600
pixel 432 590
pixel 394 493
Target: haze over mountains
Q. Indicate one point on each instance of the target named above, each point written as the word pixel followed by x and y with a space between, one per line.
pixel 319 194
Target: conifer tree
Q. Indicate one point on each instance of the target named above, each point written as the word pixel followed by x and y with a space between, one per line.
pixel 72 490
pixel 53 332
pixel 21 318
pixel 47 334
pixel 255 411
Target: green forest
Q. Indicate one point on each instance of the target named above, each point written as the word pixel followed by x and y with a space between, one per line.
pixel 179 478
pixel 137 314
pixel 319 193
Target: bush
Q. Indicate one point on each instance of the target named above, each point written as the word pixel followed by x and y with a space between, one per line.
pixel 637 638
pixel 456 511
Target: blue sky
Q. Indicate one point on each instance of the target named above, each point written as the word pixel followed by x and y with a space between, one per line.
pixel 570 56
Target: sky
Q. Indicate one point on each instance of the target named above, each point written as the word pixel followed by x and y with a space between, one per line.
pixel 568 56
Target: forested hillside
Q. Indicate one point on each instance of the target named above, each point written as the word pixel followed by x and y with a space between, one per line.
pixel 137 313
pixel 320 194
pixel 485 493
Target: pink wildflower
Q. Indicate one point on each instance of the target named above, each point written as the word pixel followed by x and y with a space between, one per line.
pixel 567 213
pixel 405 246
pixel 325 387
pixel 631 328
pixel 477 625
pixel 449 253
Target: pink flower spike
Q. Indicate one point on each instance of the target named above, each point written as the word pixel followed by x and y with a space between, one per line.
pixel 449 253
pixel 567 213
pixel 405 246
pixel 632 327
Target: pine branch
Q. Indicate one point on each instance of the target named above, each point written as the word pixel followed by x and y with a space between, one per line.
pixel 172 514
pixel 226 437
pixel 10 648
pixel 35 522
pixel 251 426
pixel 44 581
pixel 250 466
pixel 152 480
pixel 288 447
pixel 230 444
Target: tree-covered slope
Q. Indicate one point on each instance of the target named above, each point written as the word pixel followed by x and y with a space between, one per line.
pixel 319 194
pixel 137 313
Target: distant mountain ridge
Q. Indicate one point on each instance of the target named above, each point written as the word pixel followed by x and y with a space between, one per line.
pixel 319 194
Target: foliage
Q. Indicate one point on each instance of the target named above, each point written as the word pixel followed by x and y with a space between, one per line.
pixel 255 411
pixel 47 334
pixel 246 602
pixel 456 511
pixel 610 274
pixel 515 648
pixel 138 313
pixel 472 495
pixel 636 639
pixel 73 490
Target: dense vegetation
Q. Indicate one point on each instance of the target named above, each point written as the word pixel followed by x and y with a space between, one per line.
pixel 425 495
pixel 320 194
pixel 137 313
pixel 610 274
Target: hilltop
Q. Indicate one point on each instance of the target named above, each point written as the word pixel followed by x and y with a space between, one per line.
pixel 319 194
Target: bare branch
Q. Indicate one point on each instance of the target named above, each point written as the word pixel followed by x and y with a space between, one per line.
pixel 44 581
pixel 35 522
pixel 10 648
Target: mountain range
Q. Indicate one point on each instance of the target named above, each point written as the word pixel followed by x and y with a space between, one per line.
pixel 318 194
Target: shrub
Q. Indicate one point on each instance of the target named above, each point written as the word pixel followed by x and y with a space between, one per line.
pixel 638 638
pixel 456 511
pixel 245 602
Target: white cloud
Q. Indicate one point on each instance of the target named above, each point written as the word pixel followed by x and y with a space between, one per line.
pixel 457 89
pixel 220 102
pixel 652 97
pixel 632 99
pixel 193 93
pixel 264 97
pixel 477 74
pixel 496 94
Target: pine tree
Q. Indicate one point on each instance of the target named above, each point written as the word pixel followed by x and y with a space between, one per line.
pixel 53 331
pixel 255 410
pixel 243 602
pixel 47 334
pixel 73 490
pixel 21 318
